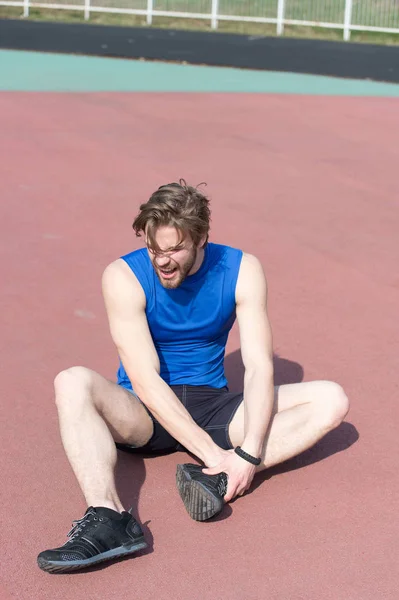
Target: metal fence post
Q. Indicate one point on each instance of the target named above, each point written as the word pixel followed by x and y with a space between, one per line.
pixel 280 17
pixel 150 8
pixel 87 10
pixel 347 20
pixel 26 8
pixel 215 12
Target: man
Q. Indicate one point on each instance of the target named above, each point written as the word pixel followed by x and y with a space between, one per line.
pixel 170 307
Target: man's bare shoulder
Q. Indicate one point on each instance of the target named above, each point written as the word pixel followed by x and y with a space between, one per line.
pixel 251 278
pixel 251 261
pixel 117 270
pixel 119 282
pixel 252 267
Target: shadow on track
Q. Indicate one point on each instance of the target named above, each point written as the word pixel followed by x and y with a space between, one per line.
pixel 287 371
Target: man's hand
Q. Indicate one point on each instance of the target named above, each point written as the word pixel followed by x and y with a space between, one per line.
pixel 240 474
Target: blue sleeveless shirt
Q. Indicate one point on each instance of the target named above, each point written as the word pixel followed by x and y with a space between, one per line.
pixel 190 325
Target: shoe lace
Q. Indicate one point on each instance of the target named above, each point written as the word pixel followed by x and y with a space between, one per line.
pixel 216 482
pixel 79 524
pixel 222 484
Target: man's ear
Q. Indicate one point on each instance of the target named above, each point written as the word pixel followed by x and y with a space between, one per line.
pixel 203 241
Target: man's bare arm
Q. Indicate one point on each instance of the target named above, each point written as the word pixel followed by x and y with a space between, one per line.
pixel 125 304
pixel 257 352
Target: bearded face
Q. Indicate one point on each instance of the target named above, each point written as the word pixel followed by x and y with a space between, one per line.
pixel 176 259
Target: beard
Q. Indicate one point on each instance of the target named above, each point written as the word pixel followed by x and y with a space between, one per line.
pixel 180 271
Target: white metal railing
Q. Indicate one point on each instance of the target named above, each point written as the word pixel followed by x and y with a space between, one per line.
pixel 347 15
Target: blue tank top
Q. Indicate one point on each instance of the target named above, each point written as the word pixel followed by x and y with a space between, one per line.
pixel 190 325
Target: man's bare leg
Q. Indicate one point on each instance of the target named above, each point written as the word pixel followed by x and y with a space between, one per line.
pixel 94 414
pixel 303 414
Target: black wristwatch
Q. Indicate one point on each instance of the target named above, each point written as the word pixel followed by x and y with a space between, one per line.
pixel 247 457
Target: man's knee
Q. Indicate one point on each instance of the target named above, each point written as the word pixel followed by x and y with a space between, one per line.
pixel 332 403
pixel 70 383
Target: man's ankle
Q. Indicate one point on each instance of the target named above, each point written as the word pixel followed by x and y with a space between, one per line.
pixel 105 503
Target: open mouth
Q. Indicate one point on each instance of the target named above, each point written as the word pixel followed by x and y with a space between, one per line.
pixel 167 273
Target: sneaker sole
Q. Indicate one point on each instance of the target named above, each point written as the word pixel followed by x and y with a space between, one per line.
pixel 201 504
pixel 64 566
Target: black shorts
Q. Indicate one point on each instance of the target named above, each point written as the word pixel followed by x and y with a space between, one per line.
pixel 211 408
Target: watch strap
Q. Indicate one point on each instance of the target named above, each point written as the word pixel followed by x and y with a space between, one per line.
pixel 251 459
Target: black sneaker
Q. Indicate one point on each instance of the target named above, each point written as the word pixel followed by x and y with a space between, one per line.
pixel 102 534
pixel 202 494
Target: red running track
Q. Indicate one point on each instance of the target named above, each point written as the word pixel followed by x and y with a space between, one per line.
pixel 310 185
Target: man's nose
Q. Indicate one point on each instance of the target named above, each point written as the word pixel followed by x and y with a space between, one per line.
pixel 162 261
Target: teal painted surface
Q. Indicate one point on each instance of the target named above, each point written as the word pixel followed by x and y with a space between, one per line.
pixel 31 71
